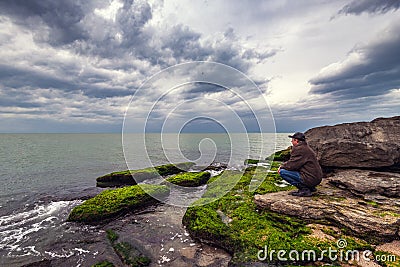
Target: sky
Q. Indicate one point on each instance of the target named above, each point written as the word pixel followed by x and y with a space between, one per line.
pixel 99 66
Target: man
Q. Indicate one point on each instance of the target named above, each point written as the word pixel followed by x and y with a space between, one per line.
pixel 302 169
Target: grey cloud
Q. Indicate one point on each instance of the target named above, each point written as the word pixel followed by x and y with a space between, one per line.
pixel 370 69
pixel 321 111
pixel 131 18
pixel 91 46
pixel 17 77
pixel 356 7
pixel 63 18
pixel 184 44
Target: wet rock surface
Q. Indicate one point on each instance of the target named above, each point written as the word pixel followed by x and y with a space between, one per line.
pixel 156 232
pixel 361 145
pixel 159 234
pixel 354 199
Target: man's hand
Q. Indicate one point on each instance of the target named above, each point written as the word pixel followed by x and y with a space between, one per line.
pixel 279 170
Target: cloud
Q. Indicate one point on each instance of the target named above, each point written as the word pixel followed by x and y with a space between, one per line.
pixel 369 69
pixel 356 7
pixel 58 23
pixel 82 60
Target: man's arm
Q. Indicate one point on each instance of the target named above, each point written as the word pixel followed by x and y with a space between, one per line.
pixel 295 162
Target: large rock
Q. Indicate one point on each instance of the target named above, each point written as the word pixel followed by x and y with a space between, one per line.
pixel 132 177
pixel 364 183
pixel 372 144
pixel 340 201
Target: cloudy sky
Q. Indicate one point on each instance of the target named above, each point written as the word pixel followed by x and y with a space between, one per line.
pixel 79 66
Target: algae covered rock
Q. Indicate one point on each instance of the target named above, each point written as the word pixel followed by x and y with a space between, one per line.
pixel 129 254
pixel 356 200
pixel 103 264
pixel 283 155
pixel 132 177
pixel 114 202
pixel 234 221
pixel 190 179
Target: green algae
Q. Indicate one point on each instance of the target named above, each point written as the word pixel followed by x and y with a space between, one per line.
pixel 249 230
pixel 190 179
pixel 129 255
pixel 111 235
pixel 282 155
pixel 103 264
pixel 113 202
pixel 132 177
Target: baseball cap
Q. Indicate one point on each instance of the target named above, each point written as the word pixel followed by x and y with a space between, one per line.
pixel 299 136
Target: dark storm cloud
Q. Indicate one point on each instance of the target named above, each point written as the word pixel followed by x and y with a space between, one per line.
pixel 18 77
pixel 131 19
pixel 370 69
pixel 183 43
pixel 63 18
pixel 356 7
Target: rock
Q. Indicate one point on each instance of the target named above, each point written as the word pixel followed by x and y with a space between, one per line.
pixel 190 179
pixel 42 263
pixel 392 247
pixel 362 182
pixel 157 231
pixel 113 202
pixel 130 255
pixel 214 166
pixel 343 206
pixel 282 155
pixel 132 177
pixel 359 145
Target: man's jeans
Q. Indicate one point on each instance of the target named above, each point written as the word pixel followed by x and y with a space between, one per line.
pixel 292 177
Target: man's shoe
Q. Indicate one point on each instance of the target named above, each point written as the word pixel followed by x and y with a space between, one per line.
pixel 294 193
pixel 313 189
pixel 304 193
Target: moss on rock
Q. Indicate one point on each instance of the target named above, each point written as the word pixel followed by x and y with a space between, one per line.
pixel 190 179
pixel 113 202
pixel 132 177
pixel 282 155
pixel 127 253
pixel 103 264
pixel 248 229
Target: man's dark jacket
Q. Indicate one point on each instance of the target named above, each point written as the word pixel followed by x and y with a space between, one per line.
pixel 304 160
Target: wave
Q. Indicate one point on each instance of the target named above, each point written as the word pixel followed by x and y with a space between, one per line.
pixel 20 230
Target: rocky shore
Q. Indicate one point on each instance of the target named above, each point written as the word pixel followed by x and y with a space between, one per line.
pixel 358 202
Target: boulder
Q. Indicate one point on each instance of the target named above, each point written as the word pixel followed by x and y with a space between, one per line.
pixel 132 177
pixel 114 202
pixel 190 179
pixel 372 144
pixel 364 182
pixel 340 201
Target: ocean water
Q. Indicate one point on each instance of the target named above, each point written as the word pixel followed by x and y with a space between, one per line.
pixel 44 176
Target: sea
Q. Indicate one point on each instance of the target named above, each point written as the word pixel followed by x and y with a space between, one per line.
pixel 43 176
